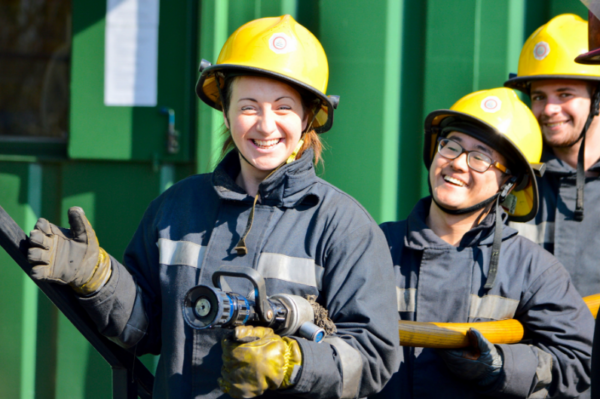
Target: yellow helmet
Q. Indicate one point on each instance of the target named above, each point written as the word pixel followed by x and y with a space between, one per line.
pixel 277 47
pixel 550 52
pixel 499 119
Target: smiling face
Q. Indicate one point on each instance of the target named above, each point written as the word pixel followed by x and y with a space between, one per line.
pixel 561 107
pixel 266 120
pixel 455 185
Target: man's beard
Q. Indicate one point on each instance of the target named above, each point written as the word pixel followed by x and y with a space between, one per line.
pixel 563 142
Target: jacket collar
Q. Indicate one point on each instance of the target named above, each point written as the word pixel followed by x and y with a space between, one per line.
pixel 419 236
pixel 557 166
pixel 289 186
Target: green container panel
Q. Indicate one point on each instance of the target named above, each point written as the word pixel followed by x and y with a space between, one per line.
pixel 362 147
pixel 131 133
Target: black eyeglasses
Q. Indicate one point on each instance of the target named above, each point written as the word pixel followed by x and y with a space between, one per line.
pixel 476 160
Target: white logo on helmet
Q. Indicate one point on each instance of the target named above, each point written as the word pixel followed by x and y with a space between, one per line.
pixel 541 50
pixel 281 43
pixel 491 104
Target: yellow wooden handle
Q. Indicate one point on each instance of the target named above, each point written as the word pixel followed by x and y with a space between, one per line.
pixel 593 302
pixel 454 335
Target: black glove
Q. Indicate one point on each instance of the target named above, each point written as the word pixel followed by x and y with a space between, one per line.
pixel 71 257
pixel 480 362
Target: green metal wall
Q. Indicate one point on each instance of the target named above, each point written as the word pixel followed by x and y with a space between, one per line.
pixel 392 62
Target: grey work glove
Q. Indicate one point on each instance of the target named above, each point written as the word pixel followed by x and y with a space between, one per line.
pixel 71 257
pixel 480 362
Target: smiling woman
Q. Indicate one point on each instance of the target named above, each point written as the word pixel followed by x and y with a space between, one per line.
pixel 274 105
pixel 262 208
pixel 263 99
pixel 266 121
pixel 310 138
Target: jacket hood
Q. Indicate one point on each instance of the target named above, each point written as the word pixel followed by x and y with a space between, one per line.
pixel 419 236
pixel 289 186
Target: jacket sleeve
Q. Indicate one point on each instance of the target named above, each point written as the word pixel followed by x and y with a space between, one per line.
pixel 125 309
pixel 556 360
pixel 358 287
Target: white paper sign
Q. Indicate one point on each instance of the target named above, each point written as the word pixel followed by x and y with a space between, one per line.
pixel 131 52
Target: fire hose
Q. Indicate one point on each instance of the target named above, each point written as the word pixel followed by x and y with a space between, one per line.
pixel 208 307
pixel 454 335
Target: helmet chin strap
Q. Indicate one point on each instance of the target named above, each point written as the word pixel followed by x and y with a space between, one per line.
pixel 499 224
pixel 461 211
pixel 499 198
pixel 501 195
pixel 580 177
pixel 464 211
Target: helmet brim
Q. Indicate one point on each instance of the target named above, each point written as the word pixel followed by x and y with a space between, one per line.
pixel 497 141
pixel 522 83
pixel 207 91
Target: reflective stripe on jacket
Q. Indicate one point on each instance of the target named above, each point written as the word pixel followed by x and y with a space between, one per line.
pixel 307 238
pixel 439 282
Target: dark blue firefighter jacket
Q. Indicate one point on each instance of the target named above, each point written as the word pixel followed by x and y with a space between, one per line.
pixel 307 238
pixel 437 282
pixel 576 244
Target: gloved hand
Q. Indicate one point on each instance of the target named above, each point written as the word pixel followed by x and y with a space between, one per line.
pixel 71 257
pixel 255 359
pixel 481 362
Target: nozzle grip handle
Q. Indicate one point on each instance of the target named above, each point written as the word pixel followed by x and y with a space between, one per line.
pixel 263 308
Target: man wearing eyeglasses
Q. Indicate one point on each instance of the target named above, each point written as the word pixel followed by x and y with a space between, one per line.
pixel 455 261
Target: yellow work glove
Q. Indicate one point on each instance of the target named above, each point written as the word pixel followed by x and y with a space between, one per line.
pixel 71 257
pixel 255 359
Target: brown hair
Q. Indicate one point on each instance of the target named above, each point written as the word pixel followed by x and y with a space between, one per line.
pixel 311 138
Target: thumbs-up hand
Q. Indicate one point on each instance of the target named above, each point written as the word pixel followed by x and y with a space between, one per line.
pixel 71 257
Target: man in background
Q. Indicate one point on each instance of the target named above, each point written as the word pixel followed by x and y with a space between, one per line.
pixel 563 97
